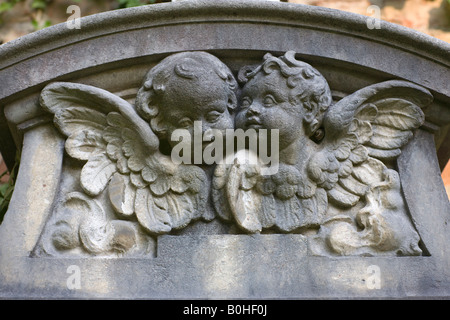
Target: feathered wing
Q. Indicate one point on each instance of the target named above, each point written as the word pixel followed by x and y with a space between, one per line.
pixel 122 156
pixel 235 196
pixel 362 132
pixel 242 193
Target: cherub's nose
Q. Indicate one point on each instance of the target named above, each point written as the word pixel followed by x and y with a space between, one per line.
pixel 254 108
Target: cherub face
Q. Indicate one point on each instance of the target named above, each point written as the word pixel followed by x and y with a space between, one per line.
pixel 205 99
pixel 265 104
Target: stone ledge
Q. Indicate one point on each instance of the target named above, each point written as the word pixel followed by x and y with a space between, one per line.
pixel 226 267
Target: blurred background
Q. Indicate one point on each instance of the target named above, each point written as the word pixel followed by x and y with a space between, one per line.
pixel 20 17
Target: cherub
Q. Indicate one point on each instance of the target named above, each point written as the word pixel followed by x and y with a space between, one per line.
pixel 185 88
pixel 331 176
pixel 127 148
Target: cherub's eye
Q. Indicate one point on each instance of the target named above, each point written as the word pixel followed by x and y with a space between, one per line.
pixel 269 100
pixel 185 123
pixel 213 116
pixel 246 102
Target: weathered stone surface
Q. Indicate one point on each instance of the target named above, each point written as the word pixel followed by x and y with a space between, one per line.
pixel 102 209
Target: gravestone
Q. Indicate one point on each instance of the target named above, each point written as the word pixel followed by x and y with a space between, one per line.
pixel 226 149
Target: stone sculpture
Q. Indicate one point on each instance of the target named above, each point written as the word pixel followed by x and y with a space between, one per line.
pixel 342 196
pixel 336 182
pixel 122 148
pixel 331 173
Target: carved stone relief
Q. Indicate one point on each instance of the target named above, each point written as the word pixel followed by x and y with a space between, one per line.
pixel 336 181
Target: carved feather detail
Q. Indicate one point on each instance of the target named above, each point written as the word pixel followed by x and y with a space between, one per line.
pixel 122 155
pixel 370 125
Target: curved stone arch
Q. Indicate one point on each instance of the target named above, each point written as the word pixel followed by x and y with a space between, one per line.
pixel 132 36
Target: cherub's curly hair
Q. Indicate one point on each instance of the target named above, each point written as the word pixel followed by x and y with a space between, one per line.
pixel 187 65
pixel 312 90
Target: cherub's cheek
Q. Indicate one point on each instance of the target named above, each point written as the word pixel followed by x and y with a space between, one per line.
pixel 226 122
pixel 268 118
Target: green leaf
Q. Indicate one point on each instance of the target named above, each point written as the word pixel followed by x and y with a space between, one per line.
pixel 38 4
pixel 3 189
pixel 133 3
pixel 130 3
pixel 5 6
pixel 6 189
pixel 35 24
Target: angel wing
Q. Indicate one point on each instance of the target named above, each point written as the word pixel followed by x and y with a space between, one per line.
pixel 122 155
pixel 241 192
pixel 361 131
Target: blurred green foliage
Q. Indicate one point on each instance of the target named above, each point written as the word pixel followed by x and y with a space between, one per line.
pixel 6 189
pixel 42 5
pixel 134 3
pixel 35 5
